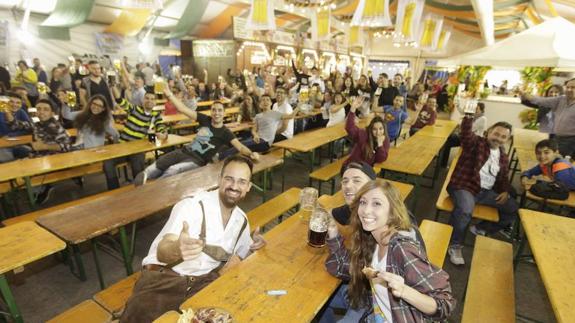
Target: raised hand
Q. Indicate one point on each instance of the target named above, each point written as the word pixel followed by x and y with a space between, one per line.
pixel 189 247
pixel 258 239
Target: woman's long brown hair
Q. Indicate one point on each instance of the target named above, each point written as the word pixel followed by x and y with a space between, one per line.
pixel 363 243
pixel 95 122
pixel 369 149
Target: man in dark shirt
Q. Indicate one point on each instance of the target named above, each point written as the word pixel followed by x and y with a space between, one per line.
pixel 385 93
pixel 212 137
pixel 95 84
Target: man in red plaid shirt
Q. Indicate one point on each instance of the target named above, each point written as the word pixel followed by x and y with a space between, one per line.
pixel 480 177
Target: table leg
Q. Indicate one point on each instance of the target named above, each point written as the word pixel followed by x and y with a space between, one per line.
pixel 31 197
pixel 265 182
pixel 416 189
pixel 75 251
pixel 126 251
pixel 283 171
pixel 9 299
pixel 97 262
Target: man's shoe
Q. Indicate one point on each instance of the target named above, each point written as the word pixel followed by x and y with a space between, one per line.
pixel 507 233
pixel 476 231
pixel 141 179
pixel 45 194
pixel 78 181
pixel 455 255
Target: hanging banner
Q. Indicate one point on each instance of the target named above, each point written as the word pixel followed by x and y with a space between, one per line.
pixel 320 25
pixel 110 44
pixel 430 31
pixel 443 39
pixel 354 36
pixel 261 15
pixel 372 13
pixel 129 22
pixel 3 33
pixel 407 21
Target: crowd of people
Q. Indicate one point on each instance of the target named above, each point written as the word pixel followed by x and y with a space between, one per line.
pixel 406 286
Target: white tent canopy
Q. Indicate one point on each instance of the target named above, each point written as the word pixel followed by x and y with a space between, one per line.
pixel 547 44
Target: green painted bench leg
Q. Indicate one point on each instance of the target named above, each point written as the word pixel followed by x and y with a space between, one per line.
pixel 133 241
pixel 97 262
pixel 126 251
pixel 332 186
pixel 9 298
pixel 265 185
pixel 81 272
pixel 31 197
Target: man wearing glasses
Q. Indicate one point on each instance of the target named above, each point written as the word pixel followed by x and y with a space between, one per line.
pixel 480 177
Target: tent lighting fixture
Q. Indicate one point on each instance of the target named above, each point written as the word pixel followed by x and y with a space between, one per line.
pixel 262 46
pixel 310 51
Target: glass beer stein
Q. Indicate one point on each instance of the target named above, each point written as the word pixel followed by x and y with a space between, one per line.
pixel 317 231
pixel 4 104
pixel 71 98
pixel 42 88
pixel 307 202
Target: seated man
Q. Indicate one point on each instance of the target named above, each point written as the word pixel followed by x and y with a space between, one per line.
pixel 395 116
pixel 480 177
pixel 266 126
pixel 141 119
pixel 552 167
pixel 425 117
pixel 211 137
pixel 201 237
pixel 15 112
pixel 49 137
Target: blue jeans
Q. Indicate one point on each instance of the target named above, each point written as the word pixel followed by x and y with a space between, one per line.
pixel 339 300
pixel 262 146
pixel 464 203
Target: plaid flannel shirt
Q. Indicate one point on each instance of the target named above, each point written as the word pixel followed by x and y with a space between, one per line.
pixel 406 258
pixel 475 152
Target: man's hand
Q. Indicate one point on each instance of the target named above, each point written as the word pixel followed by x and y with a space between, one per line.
pixel 502 198
pixel 258 239
pixel 162 136
pixel 38 145
pixel 254 156
pixel 256 138
pixel 190 248
pixel 357 102
pixel 167 92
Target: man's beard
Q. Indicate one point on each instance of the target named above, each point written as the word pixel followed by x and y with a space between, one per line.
pixel 229 202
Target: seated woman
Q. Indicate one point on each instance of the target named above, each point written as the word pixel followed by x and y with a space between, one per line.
pixel 371 144
pixel 94 123
pixel 389 273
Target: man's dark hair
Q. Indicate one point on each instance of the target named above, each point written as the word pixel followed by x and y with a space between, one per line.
pixel 12 94
pixel 481 107
pixel 384 75
pixel 502 124
pixel 266 95
pixel 399 95
pixel 398 74
pixel 92 62
pixel 238 159
pixel 22 62
pixel 547 143
pixel 48 102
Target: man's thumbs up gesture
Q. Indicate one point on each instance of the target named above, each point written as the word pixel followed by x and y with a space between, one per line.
pixel 189 247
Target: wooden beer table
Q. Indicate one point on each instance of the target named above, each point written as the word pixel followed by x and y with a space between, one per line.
pixel 89 220
pixel 21 244
pixel 441 129
pixel 26 168
pixel 286 263
pixel 552 241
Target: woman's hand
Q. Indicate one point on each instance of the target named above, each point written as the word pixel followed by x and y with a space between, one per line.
pixel 380 140
pixel 394 282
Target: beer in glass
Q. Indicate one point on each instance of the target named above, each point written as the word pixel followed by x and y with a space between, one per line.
pixel 307 202
pixel 317 231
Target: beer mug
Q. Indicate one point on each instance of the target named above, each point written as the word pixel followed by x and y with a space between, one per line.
pixel 71 98
pixel 318 224
pixel 152 136
pixel 42 88
pixel 4 104
pixel 307 202
pixel 118 64
pixel 159 85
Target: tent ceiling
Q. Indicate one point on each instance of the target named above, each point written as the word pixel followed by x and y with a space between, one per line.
pixel 509 14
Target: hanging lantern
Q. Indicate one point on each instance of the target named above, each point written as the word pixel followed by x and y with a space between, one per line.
pixel 321 24
pixel 354 36
pixel 407 21
pixel 443 39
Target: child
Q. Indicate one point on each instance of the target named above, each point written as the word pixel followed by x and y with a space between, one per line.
pixel 395 116
pixel 425 117
pixel 551 165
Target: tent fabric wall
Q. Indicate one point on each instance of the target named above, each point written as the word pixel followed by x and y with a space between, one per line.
pixel 51 52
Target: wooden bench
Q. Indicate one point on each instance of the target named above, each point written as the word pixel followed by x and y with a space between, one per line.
pixel 327 173
pixel 113 299
pixel 436 237
pixel 274 208
pixel 445 204
pixel 490 295
pixel 32 216
pixel 85 312
pixel 63 175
